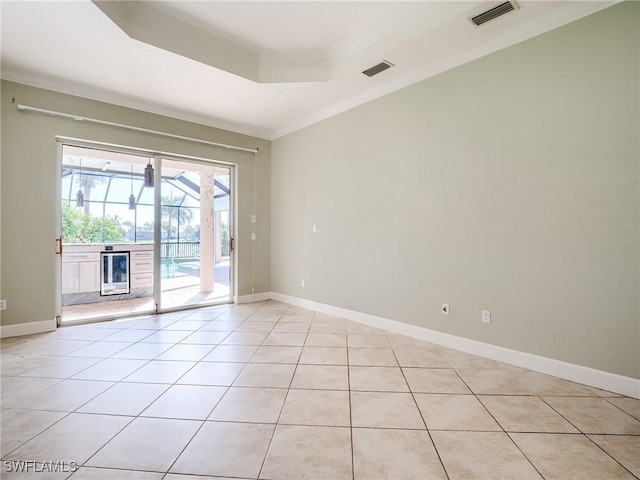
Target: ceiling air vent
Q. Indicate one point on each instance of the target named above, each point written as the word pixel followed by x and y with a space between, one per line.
pixel 376 69
pixel 494 12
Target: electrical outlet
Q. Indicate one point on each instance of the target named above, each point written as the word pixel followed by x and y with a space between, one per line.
pixel 3 304
pixel 314 229
pixel 302 282
pixel 253 219
pixel 444 309
pixel 486 316
pixel 253 236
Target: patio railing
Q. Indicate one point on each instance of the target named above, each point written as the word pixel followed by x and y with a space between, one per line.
pixel 180 250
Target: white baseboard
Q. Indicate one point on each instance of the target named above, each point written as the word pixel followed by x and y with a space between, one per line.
pixel 27 328
pixel 569 371
pixel 256 297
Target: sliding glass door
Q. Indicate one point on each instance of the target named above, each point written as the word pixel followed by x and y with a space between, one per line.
pixel 141 233
pixel 195 233
pixel 107 225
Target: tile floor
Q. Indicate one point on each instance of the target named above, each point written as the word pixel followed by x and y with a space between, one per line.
pixel 272 391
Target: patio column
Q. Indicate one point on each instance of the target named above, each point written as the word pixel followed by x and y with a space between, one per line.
pixel 207 214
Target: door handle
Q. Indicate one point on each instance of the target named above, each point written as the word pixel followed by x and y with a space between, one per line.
pixel 59 245
pixel 231 245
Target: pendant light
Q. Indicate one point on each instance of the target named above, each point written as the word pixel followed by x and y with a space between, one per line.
pixel 132 199
pixel 80 194
pixel 148 175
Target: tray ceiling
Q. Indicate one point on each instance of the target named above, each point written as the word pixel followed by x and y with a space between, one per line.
pixel 257 67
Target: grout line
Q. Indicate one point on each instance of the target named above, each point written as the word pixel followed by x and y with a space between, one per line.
pixel 559 413
pixel 608 400
pixel 413 396
pixel 524 454
pixel 108 441
pixel 186 445
pixel 583 433
pixel 37 434
pixel 607 453
pixel 353 455
pixel 275 427
pixel 497 422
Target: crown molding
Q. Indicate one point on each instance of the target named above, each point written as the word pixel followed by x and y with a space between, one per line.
pixel 405 22
pixel 63 86
pixel 282 67
pixel 570 12
pixel 144 22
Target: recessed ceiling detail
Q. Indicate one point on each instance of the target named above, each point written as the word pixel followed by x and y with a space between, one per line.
pixel 154 24
pixel 262 68
pixel 140 21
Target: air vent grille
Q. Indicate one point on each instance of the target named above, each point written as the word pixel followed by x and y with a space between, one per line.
pixel 376 69
pixel 495 12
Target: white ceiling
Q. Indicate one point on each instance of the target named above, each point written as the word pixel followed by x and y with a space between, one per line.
pixel 257 67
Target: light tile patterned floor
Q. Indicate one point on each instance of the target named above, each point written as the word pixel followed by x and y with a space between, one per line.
pixel 272 391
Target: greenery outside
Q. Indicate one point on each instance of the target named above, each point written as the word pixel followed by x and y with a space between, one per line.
pixel 83 225
pixel 79 227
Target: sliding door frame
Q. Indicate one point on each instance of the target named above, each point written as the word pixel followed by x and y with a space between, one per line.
pixel 158 157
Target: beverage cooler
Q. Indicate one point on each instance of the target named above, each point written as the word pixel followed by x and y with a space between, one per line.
pixel 114 273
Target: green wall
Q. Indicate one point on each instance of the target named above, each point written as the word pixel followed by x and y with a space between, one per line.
pixel 508 184
pixel 28 189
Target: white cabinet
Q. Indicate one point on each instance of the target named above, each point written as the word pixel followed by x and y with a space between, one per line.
pixel 142 269
pixel 69 277
pixel 88 276
pixel 81 266
pixel 80 272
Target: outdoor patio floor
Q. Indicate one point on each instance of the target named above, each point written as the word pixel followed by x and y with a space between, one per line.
pixel 179 291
